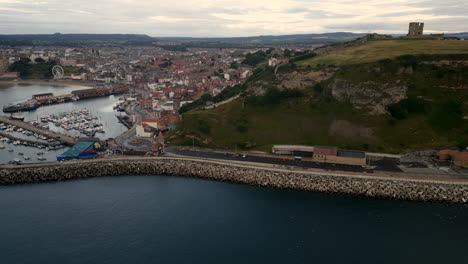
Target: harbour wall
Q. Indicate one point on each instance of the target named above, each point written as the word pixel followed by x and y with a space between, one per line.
pixel 371 186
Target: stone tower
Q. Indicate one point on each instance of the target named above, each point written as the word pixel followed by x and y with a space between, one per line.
pixel 416 29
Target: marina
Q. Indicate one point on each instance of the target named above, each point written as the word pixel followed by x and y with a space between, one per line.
pixel 34 132
pixel 41 131
pixel 81 121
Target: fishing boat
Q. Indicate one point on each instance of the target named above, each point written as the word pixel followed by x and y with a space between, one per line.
pixel 17 116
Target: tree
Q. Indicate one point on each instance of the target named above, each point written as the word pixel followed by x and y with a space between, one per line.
pixel 234 65
pixel 39 60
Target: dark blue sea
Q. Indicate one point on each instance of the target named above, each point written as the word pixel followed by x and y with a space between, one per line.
pixel 162 219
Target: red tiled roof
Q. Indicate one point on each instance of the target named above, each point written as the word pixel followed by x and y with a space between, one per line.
pixel 150 120
pixel 455 154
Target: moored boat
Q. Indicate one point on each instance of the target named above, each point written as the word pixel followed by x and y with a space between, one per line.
pixel 17 116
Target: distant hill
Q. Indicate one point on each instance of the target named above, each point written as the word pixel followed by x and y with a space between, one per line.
pixel 281 39
pixel 73 39
pixel 384 96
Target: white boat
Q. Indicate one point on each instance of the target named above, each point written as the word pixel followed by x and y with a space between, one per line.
pixel 17 160
pixel 10 150
pixel 26 158
pixel 2 147
pixel 41 158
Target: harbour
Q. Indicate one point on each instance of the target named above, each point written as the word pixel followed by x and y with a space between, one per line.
pixel 62 122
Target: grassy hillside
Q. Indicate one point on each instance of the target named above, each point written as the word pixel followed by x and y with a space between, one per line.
pixel 432 116
pixel 385 49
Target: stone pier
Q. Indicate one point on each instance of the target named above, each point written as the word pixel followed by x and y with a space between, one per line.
pixel 372 186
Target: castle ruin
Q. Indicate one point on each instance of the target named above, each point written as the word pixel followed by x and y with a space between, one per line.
pixel 416 29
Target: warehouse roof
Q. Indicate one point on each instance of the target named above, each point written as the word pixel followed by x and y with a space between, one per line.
pixel 77 148
pixel 351 154
pixel 326 147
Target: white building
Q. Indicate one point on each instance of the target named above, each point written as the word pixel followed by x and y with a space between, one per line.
pixel 147 127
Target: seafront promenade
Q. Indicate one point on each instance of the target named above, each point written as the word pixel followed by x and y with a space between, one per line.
pixel 384 186
pixel 51 82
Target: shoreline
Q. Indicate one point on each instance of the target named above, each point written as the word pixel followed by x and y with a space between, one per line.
pixel 51 82
pixel 242 173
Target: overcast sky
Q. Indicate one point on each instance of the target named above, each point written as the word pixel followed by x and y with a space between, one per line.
pixel 227 18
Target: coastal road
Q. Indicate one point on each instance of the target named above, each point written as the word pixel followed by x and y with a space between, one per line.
pixel 130 135
pixel 268 160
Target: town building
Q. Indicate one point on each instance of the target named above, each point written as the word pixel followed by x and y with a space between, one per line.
pixel 9 75
pixel 146 128
pixel 324 154
pixel 459 158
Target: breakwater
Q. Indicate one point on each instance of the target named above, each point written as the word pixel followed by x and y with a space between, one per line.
pixel 355 185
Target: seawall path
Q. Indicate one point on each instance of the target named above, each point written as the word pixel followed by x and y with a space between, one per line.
pixel 371 186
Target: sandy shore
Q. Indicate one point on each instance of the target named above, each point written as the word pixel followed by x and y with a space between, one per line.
pixel 51 82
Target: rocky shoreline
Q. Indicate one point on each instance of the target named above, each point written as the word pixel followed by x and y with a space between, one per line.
pixel 354 185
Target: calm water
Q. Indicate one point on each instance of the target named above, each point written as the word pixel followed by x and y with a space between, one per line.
pixel 162 219
pixel 100 107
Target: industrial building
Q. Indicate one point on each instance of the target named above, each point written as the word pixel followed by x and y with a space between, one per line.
pixel 325 154
pixel 293 150
pixel 81 150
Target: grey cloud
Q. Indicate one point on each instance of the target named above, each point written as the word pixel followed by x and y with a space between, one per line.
pixel 112 16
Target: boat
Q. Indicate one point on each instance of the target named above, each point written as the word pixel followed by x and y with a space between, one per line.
pixel 17 160
pixel 26 158
pixel 24 106
pixel 41 158
pixel 17 116
pixel 10 150
pixel 2 147
pixel 20 153
pixel 40 153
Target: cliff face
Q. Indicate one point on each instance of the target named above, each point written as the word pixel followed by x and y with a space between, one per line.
pixel 374 87
pixel 369 95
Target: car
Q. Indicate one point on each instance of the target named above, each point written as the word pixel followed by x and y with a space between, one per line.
pixel 244 156
pixel 284 159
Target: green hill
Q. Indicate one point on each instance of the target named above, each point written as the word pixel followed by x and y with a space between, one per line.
pixel 386 49
pixel 380 100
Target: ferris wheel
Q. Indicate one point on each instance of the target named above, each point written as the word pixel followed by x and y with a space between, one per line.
pixel 58 72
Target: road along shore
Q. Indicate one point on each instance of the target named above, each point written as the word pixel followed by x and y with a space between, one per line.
pixel 370 186
pixel 51 82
